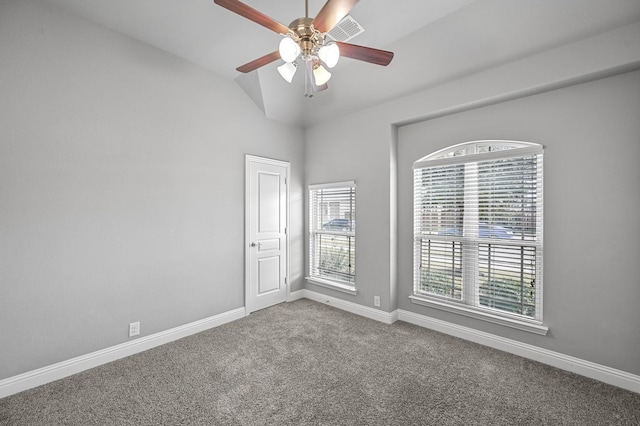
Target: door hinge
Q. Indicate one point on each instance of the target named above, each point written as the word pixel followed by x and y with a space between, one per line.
pixel 285 231
pixel 285 280
pixel 285 181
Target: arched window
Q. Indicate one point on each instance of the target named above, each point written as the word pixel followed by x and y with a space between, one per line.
pixel 478 230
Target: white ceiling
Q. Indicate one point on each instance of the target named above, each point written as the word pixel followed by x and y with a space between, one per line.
pixel 434 41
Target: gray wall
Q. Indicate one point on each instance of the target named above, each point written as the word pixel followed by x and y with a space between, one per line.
pixel 365 146
pixel 591 134
pixel 121 187
pixel 337 155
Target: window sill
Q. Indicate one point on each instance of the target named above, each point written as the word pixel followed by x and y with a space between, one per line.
pixel 333 285
pixel 530 327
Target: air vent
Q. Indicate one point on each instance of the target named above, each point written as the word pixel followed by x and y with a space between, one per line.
pixel 346 29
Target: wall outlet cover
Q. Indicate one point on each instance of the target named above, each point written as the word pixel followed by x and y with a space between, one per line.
pixel 134 329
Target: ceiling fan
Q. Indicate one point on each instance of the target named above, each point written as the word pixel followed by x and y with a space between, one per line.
pixel 305 41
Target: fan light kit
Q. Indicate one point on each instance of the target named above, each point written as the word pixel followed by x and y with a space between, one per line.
pixel 304 43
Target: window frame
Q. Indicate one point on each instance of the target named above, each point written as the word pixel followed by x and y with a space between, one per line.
pixel 316 232
pixel 470 155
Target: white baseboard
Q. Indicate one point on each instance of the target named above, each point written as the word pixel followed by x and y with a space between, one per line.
pixel 296 295
pixel 41 376
pixel 31 379
pixel 579 366
pixel 364 311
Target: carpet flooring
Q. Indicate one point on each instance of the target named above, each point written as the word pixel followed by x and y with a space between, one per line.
pixel 305 363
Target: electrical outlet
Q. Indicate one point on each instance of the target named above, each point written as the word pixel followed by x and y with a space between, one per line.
pixel 134 329
pixel 376 301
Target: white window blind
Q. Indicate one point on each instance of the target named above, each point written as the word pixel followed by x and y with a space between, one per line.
pixel 332 242
pixel 478 228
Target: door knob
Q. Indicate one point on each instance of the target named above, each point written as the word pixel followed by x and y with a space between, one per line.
pixel 253 244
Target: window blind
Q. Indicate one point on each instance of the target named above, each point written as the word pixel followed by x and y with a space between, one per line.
pixel 439 217
pixel 332 241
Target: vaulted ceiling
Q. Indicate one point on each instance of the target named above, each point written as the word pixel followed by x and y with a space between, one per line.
pixel 434 41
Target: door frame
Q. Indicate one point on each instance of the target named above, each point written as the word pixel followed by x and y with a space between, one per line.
pixel 247 217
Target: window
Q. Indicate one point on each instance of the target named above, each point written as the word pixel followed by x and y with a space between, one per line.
pixel 332 239
pixel 478 231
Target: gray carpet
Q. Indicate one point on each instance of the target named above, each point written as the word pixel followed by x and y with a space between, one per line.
pixel 307 363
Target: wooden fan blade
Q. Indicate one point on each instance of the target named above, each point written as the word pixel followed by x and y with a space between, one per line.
pixel 367 54
pixel 331 13
pixel 260 62
pixel 253 15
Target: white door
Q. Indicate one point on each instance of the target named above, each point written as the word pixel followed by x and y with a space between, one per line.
pixel 266 232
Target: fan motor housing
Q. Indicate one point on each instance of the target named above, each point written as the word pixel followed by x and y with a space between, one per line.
pixel 307 36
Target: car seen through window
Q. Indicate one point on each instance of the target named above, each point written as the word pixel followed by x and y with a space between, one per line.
pixel 339 225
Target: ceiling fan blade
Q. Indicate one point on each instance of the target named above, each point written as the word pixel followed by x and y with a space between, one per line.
pixel 331 13
pixel 253 15
pixel 260 62
pixel 367 54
